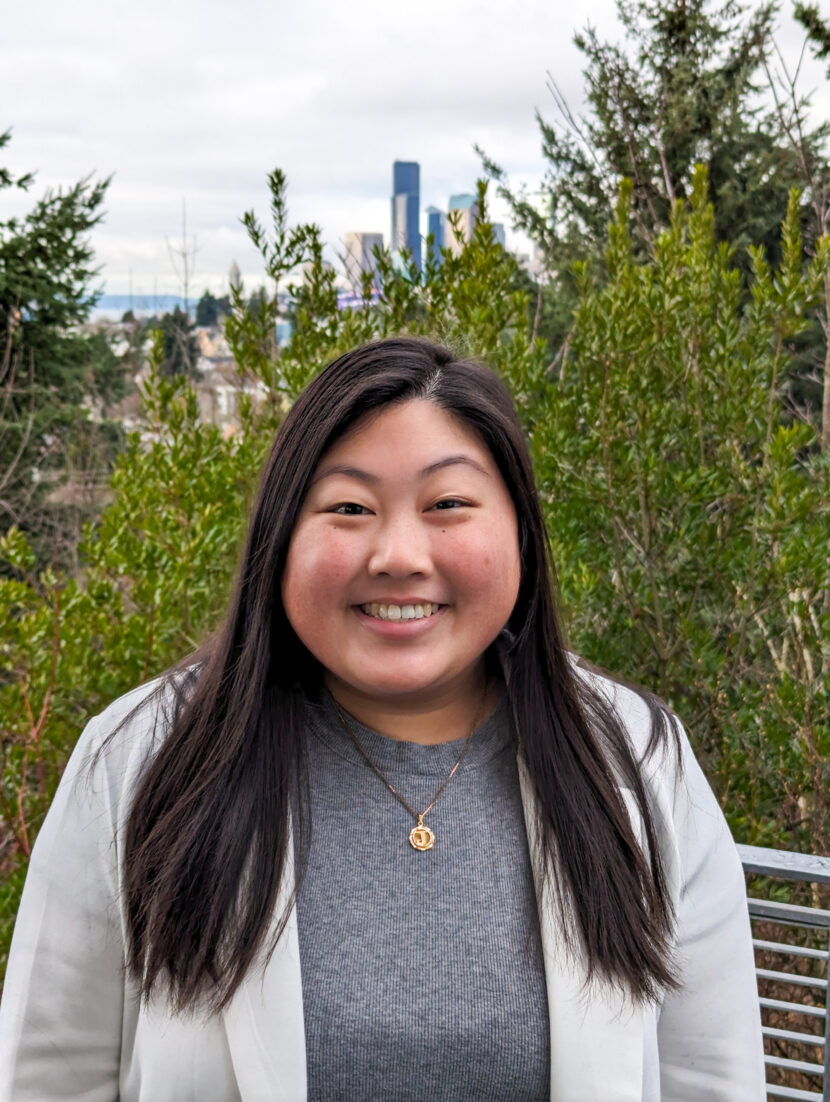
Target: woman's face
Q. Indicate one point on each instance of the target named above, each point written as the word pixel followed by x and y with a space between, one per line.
pixel 404 563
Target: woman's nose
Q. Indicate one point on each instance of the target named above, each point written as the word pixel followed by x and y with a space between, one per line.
pixel 401 549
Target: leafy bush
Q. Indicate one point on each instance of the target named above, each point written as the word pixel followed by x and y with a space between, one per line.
pixel 690 521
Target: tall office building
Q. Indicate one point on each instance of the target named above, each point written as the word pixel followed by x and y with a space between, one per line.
pixel 360 255
pixel 438 227
pixel 406 205
pixel 466 207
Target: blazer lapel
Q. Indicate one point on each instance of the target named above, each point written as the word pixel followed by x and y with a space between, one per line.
pixel 596 1035
pixel 264 1021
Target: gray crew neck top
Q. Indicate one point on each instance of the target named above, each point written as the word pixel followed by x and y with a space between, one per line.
pixel 422 972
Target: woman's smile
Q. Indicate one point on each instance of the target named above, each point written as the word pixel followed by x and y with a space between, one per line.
pixel 411 610
pixel 401 621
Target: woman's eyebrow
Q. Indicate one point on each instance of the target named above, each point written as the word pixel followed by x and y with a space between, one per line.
pixel 373 479
pixel 345 469
pixel 451 461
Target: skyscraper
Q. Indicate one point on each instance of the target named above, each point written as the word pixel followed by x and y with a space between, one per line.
pixel 406 205
pixel 437 226
pixel 360 255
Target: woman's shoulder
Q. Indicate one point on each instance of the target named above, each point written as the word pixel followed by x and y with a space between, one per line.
pixel 116 742
pixel 143 707
pixel 654 732
pixel 132 704
pixel 135 713
pixel 629 705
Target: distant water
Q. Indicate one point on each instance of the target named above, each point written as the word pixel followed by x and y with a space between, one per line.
pixel 113 307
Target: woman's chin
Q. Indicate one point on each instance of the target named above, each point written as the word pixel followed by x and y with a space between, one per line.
pixel 407 687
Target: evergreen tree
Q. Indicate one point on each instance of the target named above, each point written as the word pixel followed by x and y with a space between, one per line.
pixel 181 352
pixel 47 365
pixel 809 382
pixel 209 310
pixel 682 90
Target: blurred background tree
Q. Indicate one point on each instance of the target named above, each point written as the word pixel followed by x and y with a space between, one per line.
pixel 181 353
pixel 51 374
pixel 212 311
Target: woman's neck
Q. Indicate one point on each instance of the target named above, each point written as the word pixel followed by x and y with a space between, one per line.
pixel 424 719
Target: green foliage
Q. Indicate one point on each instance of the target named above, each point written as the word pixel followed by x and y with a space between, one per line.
pixel 156 573
pixel 163 551
pixel 689 524
pixel 818 29
pixel 682 90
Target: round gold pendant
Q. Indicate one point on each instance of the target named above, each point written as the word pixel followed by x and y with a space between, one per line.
pixel 421 837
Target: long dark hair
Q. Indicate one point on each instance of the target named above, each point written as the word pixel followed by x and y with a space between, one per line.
pixel 207 843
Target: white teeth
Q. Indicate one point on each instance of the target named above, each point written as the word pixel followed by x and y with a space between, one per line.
pixel 400 612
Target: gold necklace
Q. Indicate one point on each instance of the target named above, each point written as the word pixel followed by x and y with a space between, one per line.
pixel 421 836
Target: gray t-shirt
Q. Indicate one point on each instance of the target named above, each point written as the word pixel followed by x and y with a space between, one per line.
pixel 422 972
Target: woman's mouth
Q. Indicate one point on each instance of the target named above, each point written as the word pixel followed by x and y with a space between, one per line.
pixel 400 612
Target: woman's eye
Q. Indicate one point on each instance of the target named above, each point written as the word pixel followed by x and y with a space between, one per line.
pixel 450 503
pixel 349 509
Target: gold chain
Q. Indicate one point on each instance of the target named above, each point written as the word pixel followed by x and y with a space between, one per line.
pixel 421 837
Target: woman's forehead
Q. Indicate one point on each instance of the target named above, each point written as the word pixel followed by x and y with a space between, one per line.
pixel 412 429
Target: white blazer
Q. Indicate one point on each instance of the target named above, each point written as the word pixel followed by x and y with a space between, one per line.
pixel 71 1026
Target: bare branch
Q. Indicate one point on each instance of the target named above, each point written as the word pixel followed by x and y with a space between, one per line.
pixel 570 119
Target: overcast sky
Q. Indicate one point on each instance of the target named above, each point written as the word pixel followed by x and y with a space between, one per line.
pixel 201 101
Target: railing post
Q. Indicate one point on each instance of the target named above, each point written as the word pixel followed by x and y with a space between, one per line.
pixel 825 1094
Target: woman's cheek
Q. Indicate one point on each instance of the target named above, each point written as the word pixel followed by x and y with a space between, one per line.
pixel 321 559
pixel 486 560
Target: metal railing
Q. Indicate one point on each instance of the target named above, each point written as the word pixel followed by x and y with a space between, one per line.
pixel 803 973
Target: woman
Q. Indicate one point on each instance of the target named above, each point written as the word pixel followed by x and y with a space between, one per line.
pixel 385 838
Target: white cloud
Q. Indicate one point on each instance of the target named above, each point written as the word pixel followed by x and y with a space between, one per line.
pixel 203 100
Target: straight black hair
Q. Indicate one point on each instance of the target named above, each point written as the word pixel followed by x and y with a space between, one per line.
pixel 213 825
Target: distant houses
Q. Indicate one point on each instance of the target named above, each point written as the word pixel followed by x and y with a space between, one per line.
pixel 220 383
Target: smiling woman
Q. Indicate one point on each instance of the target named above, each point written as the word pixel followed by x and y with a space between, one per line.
pixel 385 531
pixel 518 885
